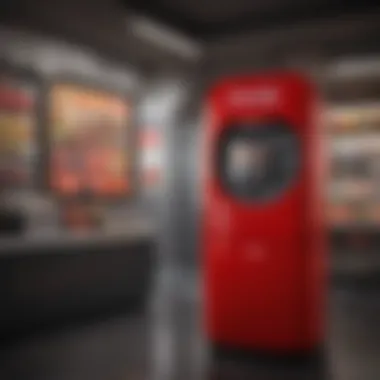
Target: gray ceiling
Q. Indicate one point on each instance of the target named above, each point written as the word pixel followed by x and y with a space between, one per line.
pixel 98 24
pixel 217 11
pixel 103 24
pixel 211 19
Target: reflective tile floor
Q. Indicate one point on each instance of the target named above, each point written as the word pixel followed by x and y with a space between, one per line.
pixel 165 343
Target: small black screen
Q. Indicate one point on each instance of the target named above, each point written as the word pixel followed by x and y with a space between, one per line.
pixel 258 162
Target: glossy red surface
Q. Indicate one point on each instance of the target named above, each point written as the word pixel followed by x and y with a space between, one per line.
pixel 264 264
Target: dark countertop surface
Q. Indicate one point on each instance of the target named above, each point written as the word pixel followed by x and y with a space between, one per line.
pixel 44 241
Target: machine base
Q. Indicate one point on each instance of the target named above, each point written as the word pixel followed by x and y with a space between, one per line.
pixel 313 358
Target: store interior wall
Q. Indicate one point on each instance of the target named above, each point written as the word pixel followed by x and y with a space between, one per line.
pixel 100 50
pixel 59 47
pixel 172 89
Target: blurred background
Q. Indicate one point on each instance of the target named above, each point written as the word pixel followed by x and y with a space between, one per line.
pixel 100 135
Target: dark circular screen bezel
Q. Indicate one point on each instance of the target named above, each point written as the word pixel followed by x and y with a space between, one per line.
pixel 262 129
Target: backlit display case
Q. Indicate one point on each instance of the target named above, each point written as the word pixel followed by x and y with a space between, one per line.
pixel 354 149
pixel 89 142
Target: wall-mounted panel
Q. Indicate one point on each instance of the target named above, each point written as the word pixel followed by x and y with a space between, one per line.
pixel 88 131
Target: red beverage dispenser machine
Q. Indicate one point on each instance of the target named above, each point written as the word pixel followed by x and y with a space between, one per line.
pixel 262 227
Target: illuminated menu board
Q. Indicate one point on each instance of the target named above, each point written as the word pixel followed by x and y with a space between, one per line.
pixel 89 144
pixel 354 184
pixel 17 132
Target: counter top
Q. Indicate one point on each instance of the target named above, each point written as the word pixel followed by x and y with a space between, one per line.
pixel 61 240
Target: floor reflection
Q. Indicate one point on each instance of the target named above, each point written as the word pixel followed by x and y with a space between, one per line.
pixel 241 374
pixel 166 343
pixel 103 350
pixel 225 369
